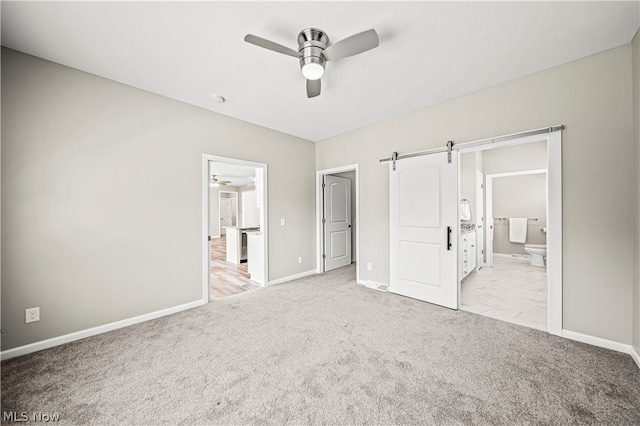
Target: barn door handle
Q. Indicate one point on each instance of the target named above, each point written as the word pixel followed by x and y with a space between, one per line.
pixel 448 238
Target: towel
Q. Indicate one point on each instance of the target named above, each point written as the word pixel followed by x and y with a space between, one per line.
pixel 518 229
pixel 465 211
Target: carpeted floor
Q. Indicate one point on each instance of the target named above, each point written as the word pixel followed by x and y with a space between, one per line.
pixel 324 350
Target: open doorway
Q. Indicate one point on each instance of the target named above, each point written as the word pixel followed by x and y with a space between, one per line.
pixel 235 232
pixel 505 272
pixel 337 218
pixel 426 218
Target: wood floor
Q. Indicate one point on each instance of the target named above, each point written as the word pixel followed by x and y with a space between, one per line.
pixel 227 278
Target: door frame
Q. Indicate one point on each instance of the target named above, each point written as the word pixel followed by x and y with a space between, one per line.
pixel 554 217
pixel 330 225
pixel 206 246
pixel 489 204
pixel 319 210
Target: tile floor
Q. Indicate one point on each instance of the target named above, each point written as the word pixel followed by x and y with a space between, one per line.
pixel 512 291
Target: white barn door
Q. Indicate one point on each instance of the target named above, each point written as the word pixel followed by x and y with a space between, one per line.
pixel 424 228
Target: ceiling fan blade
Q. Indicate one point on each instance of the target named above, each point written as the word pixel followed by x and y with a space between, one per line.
pixel 271 45
pixel 313 88
pixel 353 45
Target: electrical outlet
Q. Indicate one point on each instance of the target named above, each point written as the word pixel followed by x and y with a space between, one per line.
pixel 282 221
pixel 300 259
pixel 31 315
pixel 368 266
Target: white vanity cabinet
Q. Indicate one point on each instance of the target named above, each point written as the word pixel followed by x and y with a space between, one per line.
pixel 468 252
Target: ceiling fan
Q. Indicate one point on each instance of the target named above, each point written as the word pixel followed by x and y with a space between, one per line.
pixel 217 182
pixel 314 50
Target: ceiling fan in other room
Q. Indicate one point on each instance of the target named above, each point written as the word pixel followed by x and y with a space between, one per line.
pixel 217 182
pixel 314 50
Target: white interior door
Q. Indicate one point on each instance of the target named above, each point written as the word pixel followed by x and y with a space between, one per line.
pixel 424 228
pixel 480 219
pixel 337 222
pixel 225 212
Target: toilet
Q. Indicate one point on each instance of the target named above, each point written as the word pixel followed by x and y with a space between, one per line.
pixel 537 252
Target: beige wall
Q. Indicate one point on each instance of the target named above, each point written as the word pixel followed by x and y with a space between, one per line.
pixel 102 198
pixel 636 136
pixel 592 98
pixel 530 156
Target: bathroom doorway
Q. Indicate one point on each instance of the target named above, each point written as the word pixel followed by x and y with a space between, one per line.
pixel 513 286
pixel 227 210
pixel 235 218
pixel 496 277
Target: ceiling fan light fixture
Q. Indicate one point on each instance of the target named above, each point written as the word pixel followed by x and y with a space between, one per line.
pixel 314 50
pixel 312 71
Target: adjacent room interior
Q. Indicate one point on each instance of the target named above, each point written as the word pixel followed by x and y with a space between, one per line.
pixel 280 213
pixel 502 279
pixel 235 229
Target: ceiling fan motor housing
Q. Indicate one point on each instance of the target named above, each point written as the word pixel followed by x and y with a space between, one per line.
pixel 311 44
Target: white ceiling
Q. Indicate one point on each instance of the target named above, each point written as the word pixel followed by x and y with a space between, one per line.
pixel 236 175
pixel 429 51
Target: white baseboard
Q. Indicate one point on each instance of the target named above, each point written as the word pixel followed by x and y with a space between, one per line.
pixel 635 356
pixel 292 277
pixel 71 337
pixel 597 341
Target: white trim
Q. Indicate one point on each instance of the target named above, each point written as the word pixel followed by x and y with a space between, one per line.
pixel 554 232
pixel 518 173
pixel 319 206
pixel 489 205
pixel 206 273
pixel 292 277
pixel 597 341
pixel 82 334
pixel 206 244
pixel 635 356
